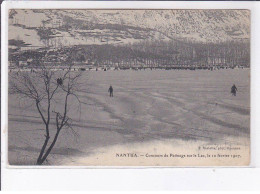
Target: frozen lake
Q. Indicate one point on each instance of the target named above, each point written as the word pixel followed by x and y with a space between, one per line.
pixel 149 107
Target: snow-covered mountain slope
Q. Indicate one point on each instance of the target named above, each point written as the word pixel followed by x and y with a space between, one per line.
pixel 39 28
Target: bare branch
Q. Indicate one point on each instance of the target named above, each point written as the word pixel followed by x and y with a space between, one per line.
pixel 42 88
pixel 39 110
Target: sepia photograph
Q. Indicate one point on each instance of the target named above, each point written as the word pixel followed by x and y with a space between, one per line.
pixel 128 87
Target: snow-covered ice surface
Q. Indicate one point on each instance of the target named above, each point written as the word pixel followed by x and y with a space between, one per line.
pixel 152 111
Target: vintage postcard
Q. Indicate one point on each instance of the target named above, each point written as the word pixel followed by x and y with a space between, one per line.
pixel 128 87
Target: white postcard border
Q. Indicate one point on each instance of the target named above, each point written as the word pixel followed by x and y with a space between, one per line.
pixel 168 178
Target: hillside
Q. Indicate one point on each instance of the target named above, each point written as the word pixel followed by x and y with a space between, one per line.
pixel 39 28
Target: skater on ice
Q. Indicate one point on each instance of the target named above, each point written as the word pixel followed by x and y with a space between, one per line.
pixel 110 90
pixel 234 90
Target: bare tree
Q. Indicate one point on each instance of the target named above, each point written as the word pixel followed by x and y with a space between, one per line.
pixel 42 86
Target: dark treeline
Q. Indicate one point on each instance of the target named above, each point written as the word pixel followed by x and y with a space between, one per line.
pixel 146 54
pixel 182 53
pixel 171 53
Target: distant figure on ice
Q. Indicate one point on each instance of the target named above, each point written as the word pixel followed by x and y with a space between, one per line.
pixel 110 90
pixel 234 90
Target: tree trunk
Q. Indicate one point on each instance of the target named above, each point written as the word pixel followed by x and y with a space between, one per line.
pixel 39 160
pixel 51 146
